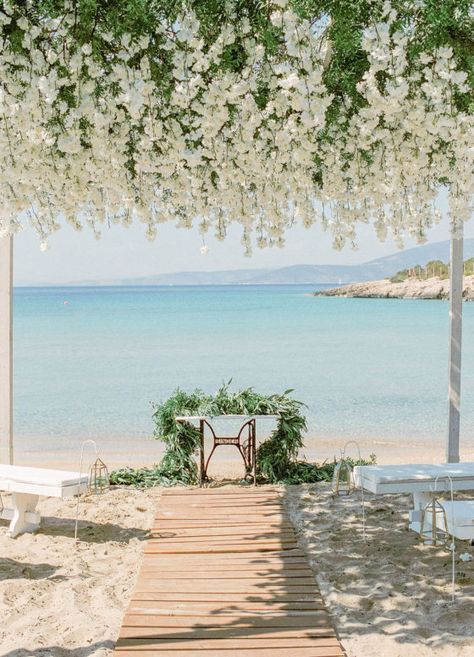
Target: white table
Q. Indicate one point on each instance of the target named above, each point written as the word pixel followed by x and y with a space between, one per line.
pixel 421 480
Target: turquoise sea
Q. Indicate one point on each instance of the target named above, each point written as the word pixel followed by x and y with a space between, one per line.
pixel 89 362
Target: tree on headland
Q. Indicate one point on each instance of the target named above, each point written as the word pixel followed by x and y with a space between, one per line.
pixel 432 269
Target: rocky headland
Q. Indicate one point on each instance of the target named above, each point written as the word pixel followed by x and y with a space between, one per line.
pixel 430 288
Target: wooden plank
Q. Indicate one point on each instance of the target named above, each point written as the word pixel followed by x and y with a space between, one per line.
pixel 250 558
pixel 249 545
pixel 315 620
pixel 238 508
pixel 222 490
pixel 177 536
pixel 227 504
pixel 213 527
pixel 199 641
pixel 223 500
pixel 184 511
pixel 211 582
pixel 198 526
pixel 221 540
pixel 209 549
pixel 213 633
pixel 151 650
pixel 220 532
pixel 207 571
pixel 175 548
pixel 222 586
pixel 226 598
pixel 265 607
pixel 217 517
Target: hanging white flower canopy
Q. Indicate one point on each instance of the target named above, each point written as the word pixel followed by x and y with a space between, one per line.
pixel 265 114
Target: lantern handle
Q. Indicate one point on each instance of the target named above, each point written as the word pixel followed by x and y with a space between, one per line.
pixel 447 478
pixel 362 498
pixel 86 442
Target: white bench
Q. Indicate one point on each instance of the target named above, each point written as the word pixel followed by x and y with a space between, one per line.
pixel 26 485
pixel 421 480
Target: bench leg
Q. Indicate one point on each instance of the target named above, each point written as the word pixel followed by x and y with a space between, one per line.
pixel 420 500
pixel 24 518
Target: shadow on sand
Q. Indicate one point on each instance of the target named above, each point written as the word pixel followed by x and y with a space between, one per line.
pixel 57 651
pixel 89 531
pixel 11 569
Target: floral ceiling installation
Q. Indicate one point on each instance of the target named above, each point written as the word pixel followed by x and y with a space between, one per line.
pixel 261 113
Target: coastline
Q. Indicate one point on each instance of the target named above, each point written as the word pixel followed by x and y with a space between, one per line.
pixel 138 451
pixel 430 288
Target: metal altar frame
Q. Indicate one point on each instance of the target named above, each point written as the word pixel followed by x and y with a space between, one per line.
pixel 247 448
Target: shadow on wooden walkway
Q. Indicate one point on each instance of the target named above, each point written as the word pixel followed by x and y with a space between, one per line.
pixel 222 575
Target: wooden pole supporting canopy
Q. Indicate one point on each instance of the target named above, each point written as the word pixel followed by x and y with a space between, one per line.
pixel 6 349
pixel 455 345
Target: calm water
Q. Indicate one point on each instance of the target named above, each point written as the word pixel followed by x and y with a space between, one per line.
pixel 94 365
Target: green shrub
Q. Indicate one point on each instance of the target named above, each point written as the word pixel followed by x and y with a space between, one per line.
pixel 276 457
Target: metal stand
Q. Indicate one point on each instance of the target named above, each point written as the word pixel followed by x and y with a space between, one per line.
pixel 247 448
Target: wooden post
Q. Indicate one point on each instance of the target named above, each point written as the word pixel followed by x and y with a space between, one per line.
pixel 455 344
pixel 6 349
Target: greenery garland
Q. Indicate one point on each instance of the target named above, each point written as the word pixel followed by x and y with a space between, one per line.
pixel 276 457
pixel 436 23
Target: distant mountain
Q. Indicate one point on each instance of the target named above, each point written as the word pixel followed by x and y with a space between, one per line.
pixel 303 274
pixel 420 255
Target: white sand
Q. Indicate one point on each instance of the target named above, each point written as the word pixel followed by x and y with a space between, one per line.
pixel 388 597
pixel 59 599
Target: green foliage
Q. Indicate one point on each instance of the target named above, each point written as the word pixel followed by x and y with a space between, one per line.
pixel 432 269
pixel 469 267
pixel 275 457
pixel 432 24
pixel 400 276
pixel 137 477
pixel 182 440
pixel 297 472
pixel 302 472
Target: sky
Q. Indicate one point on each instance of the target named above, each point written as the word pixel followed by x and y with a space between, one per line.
pixel 125 252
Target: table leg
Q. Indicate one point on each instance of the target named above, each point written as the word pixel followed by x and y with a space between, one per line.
pixel 254 451
pixel 202 467
pixel 23 517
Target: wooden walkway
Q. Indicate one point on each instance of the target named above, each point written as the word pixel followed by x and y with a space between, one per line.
pixel 223 576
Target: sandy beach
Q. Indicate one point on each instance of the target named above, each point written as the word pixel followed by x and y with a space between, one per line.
pixel 388 596
pixel 137 451
pixel 62 599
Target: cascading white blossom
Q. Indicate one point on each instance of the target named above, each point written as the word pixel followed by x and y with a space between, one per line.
pixel 93 143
